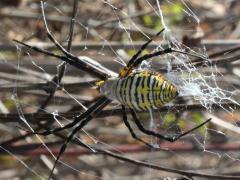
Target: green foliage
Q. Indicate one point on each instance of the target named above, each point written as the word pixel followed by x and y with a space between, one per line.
pixel 9 104
pixel 169 119
pixel 175 12
pixel 131 52
pixel 147 20
pixel 158 25
pixel 198 118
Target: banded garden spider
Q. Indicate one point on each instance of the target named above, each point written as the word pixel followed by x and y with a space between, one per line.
pixel 151 89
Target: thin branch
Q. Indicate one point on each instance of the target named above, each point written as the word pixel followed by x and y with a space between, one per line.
pixel 209 44
pixel 152 166
pixel 56 80
pixel 97 24
pixel 6 118
pixel 161 168
pixel 219 53
pixel 36 149
pixel 206 63
pixel 42 86
pixel 8 13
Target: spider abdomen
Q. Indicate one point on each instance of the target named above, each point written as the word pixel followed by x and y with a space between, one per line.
pixel 140 90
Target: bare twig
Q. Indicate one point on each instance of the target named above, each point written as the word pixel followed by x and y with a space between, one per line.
pixel 42 86
pixel 209 44
pixel 158 167
pixel 8 13
pixel 36 149
pixel 97 24
pixel 5 118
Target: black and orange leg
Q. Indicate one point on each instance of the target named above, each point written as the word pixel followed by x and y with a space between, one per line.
pixel 68 58
pixel 160 136
pixel 78 127
pixel 161 52
pixel 142 48
pixel 91 110
pixel 127 124
pixel 75 59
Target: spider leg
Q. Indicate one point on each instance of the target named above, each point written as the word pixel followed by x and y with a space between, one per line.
pixel 71 59
pixel 62 66
pixel 161 52
pixel 69 138
pixel 143 47
pixel 76 63
pixel 148 56
pixel 77 128
pixel 134 136
pixel 50 36
pixel 133 62
pixel 167 138
pixel 92 109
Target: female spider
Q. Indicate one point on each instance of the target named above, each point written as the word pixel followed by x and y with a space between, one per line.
pixel 138 90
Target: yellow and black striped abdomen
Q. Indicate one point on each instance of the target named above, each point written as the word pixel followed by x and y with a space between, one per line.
pixel 140 90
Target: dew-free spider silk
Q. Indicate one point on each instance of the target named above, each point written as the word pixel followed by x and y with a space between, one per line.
pixel 140 90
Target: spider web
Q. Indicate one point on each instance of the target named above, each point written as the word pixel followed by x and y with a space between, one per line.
pixel 193 84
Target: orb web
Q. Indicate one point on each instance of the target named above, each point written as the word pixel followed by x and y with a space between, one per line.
pixel 192 82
